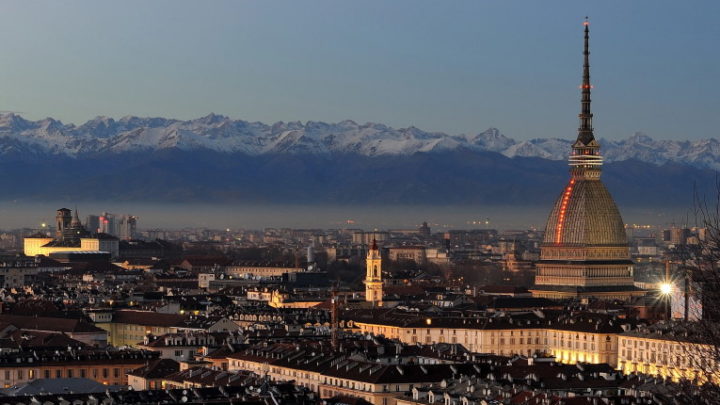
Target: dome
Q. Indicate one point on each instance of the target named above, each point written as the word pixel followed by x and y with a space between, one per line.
pixel 590 217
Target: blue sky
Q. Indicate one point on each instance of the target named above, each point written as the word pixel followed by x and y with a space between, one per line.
pixel 453 66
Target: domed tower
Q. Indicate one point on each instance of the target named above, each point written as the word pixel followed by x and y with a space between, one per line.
pixel 373 276
pixel 74 231
pixel 585 251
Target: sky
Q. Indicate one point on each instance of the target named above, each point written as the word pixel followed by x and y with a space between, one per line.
pixel 453 66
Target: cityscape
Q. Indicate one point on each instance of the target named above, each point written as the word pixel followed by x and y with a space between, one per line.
pixel 215 260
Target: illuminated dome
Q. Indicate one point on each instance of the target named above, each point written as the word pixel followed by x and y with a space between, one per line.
pixel 585 251
pixel 585 214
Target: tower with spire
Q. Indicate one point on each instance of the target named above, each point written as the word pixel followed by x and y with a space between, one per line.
pixel 585 156
pixel 373 276
pixel 585 252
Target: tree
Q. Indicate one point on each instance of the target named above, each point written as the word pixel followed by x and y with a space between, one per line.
pixel 696 284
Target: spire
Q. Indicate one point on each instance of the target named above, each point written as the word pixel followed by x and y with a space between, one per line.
pixel 75 219
pixel 374 245
pixel 586 150
pixel 585 132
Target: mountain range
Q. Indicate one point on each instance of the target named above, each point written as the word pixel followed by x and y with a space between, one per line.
pixel 221 159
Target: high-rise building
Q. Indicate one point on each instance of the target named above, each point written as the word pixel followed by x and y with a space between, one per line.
pixel 92 223
pixel 107 224
pixel 373 276
pixel 127 227
pixel 585 252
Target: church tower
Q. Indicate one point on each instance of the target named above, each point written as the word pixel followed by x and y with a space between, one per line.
pixel 585 251
pixel 373 276
pixel 63 218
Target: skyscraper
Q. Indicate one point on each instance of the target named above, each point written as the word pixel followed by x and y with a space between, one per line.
pixel 585 251
pixel 127 227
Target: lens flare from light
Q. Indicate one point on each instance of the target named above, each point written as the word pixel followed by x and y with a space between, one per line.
pixel 666 288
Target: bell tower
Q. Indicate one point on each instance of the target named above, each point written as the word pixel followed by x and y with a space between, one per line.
pixel 63 218
pixel 373 276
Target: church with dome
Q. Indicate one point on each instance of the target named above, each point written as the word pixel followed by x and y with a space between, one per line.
pixel 585 251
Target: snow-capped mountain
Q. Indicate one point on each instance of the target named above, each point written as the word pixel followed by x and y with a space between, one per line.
pixel 20 137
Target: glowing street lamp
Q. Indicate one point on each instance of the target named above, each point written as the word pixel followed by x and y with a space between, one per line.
pixel 666 289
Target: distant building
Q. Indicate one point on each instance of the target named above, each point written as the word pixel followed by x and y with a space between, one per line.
pixel 676 236
pixel 424 230
pixel 16 272
pixel 366 238
pixel 107 224
pixel 416 254
pixel 373 276
pixel 92 223
pixel 127 227
pixel 646 247
pixel 70 236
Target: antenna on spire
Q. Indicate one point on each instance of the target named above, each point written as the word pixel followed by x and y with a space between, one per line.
pixel 586 151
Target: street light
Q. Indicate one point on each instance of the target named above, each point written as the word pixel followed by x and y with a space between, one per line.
pixel 666 288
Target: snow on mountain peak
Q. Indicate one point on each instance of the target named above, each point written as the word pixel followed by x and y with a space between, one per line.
pixel 222 134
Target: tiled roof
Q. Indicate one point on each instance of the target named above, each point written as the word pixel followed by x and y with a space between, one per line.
pixel 67 325
pixel 157 369
pixel 147 318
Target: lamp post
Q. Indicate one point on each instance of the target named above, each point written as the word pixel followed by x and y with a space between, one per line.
pixel 666 290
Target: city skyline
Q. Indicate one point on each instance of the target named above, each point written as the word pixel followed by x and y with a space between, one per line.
pixel 220 261
pixel 458 69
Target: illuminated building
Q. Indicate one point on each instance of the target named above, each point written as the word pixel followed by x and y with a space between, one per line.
pixel 109 367
pixel 373 276
pixel 332 375
pixel 70 236
pixel 571 338
pixel 129 328
pixel 671 350
pixel 585 251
